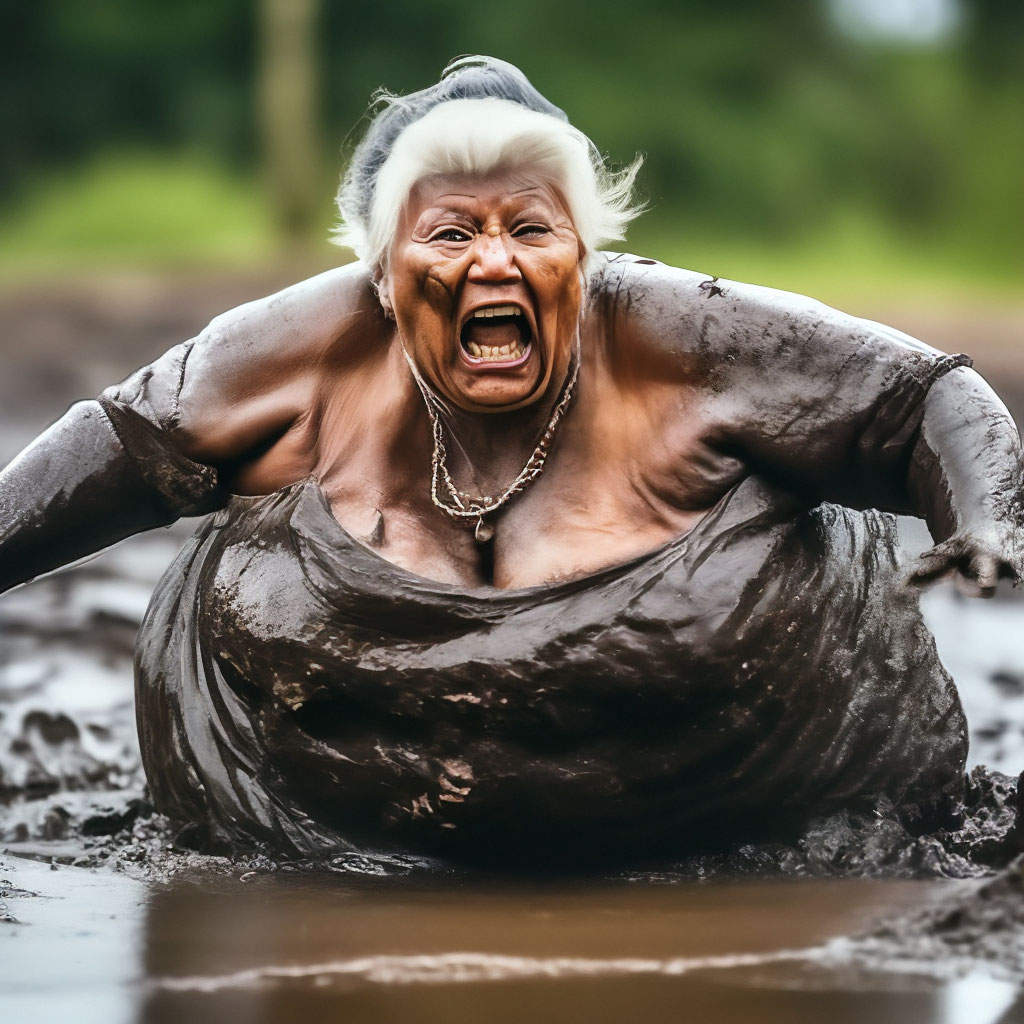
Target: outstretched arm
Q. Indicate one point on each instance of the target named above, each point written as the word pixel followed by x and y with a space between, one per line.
pixel 842 409
pixel 85 484
pixel 966 477
pixel 169 441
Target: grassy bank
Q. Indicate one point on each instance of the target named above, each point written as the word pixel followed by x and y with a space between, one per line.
pixel 146 211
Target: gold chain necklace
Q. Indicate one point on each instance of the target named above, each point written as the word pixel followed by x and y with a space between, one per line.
pixel 465 507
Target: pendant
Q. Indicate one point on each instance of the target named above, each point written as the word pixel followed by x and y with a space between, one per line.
pixel 484 531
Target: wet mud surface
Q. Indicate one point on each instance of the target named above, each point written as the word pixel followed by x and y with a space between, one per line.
pixel 925 927
pixel 280 946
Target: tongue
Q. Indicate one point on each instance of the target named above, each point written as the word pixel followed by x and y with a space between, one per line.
pixel 482 332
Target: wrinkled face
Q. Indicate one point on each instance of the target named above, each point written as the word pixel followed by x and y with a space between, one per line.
pixel 485 283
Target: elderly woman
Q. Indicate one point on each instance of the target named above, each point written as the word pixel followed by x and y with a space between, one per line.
pixel 524 549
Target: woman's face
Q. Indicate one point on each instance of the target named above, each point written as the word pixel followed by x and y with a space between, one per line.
pixel 485 285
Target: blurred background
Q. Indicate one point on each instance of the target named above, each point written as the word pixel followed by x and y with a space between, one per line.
pixel 164 162
pixel 844 147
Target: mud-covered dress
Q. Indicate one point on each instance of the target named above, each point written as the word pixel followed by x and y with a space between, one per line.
pixel 296 688
pixel 293 685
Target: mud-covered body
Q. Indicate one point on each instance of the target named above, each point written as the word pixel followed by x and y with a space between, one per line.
pixel 677 638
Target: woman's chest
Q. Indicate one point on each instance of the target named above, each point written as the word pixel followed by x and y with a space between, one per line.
pixel 611 490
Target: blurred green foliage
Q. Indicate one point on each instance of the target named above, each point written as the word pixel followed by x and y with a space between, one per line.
pixel 139 207
pixel 777 147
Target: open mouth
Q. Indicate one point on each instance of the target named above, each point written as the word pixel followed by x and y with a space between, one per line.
pixel 498 334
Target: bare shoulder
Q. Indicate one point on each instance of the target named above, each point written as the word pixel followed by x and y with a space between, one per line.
pixel 654 304
pixel 253 375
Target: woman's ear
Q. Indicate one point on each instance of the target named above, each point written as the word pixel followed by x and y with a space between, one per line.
pixel 382 286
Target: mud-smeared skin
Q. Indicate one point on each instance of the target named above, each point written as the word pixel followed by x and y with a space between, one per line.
pixel 96 476
pixel 296 688
pixel 834 407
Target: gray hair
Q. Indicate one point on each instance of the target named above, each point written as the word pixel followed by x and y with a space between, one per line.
pixel 482 116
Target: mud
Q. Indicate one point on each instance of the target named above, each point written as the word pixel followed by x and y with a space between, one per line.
pixel 277 945
pixel 72 794
pixel 122 831
pixel 985 925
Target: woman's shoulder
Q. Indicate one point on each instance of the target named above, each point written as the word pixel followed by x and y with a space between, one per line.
pixel 254 370
pixel 645 289
pixel 283 343
pixel 649 303
pixel 303 319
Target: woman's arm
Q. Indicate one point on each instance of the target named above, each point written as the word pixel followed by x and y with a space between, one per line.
pixel 169 441
pixel 966 477
pixel 79 488
pixel 842 409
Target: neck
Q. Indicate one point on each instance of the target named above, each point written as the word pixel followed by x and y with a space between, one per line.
pixel 487 451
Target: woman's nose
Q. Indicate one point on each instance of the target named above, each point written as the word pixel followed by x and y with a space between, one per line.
pixel 492 259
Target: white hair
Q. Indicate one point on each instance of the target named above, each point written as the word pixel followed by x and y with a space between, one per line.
pixel 480 136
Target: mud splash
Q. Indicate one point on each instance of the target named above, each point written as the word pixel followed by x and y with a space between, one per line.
pixel 123 831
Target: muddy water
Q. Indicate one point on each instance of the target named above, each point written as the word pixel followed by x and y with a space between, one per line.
pixel 318 948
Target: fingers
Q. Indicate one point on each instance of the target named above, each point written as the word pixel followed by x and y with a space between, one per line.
pixel 976 571
pixel 984 570
pixel 932 565
pixel 975 567
pixel 928 570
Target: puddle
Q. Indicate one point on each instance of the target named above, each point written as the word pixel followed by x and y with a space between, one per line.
pixel 99 946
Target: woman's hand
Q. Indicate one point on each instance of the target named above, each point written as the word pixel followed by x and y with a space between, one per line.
pixel 967 476
pixel 975 562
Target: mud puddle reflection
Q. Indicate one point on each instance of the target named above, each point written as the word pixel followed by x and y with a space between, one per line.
pixel 319 948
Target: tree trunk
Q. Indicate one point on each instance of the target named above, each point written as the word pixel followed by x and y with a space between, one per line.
pixel 287 98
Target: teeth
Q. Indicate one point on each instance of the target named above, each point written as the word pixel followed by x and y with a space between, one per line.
pixel 496 311
pixel 511 350
pixel 495 351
